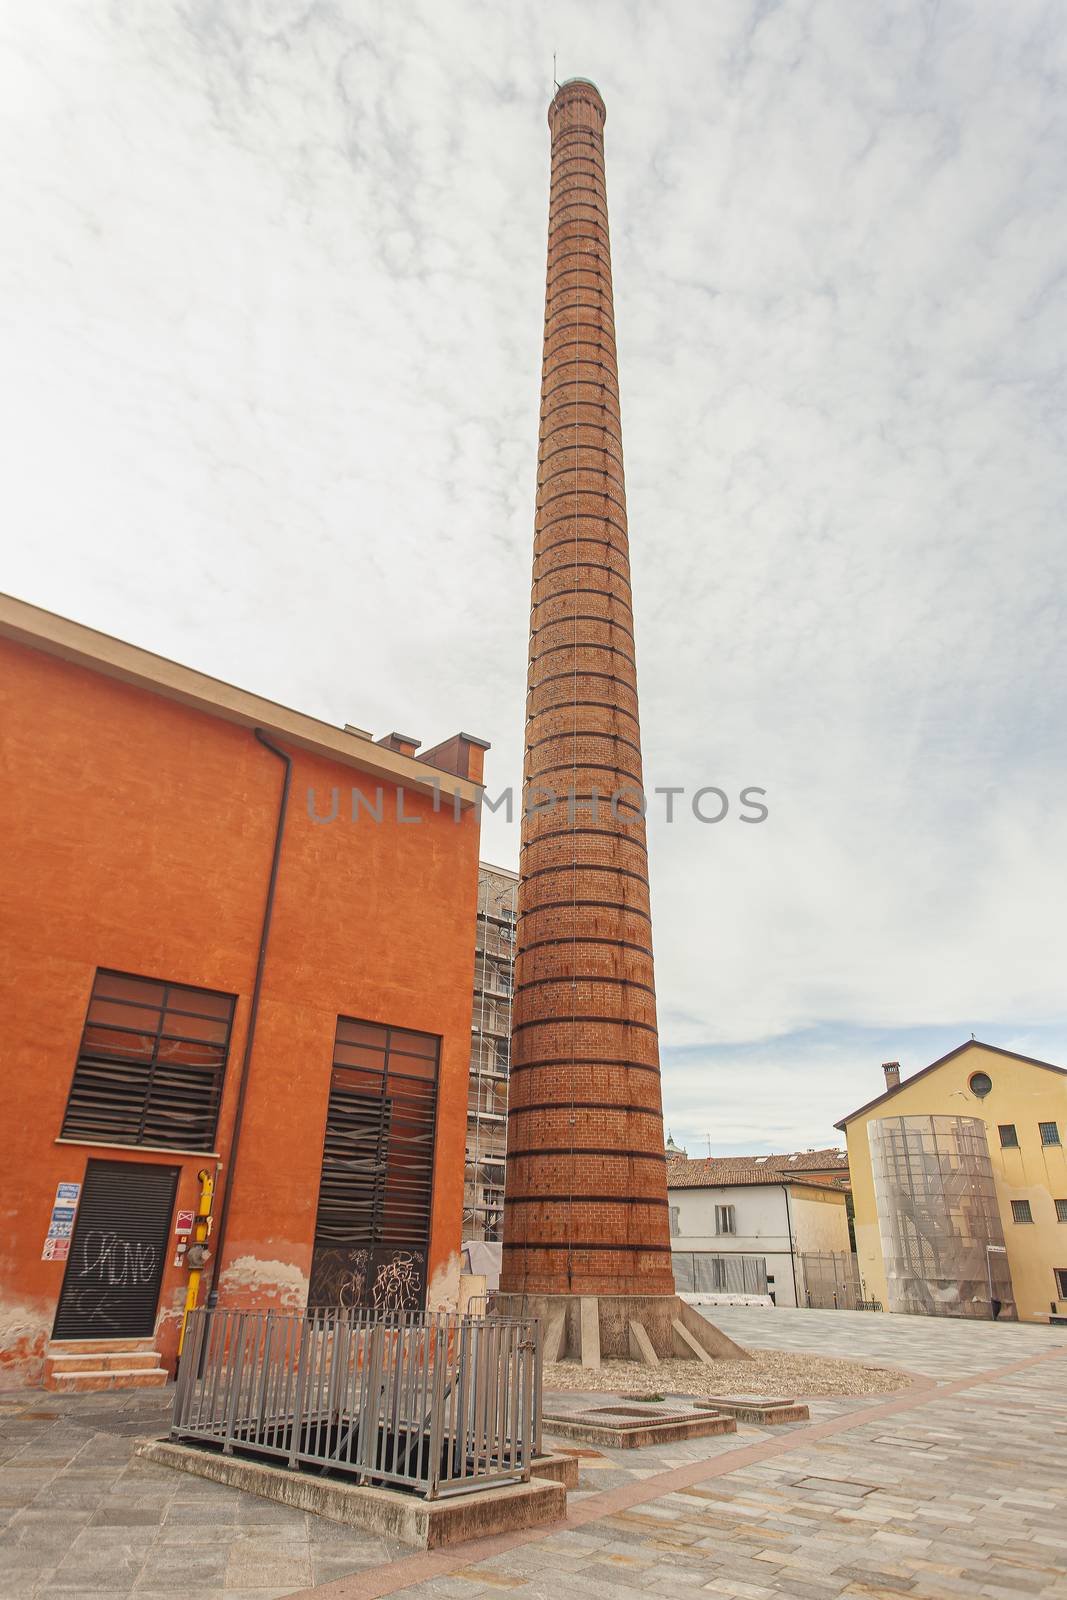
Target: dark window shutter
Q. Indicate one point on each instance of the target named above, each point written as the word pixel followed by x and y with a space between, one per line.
pixel 151 1064
pixel 118 1251
pixel 372 1229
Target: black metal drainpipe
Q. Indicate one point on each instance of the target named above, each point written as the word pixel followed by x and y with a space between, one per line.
pixel 253 1014
pixel 792 1256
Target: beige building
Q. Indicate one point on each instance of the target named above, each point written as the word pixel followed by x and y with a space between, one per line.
pixel 487 1105
pixel 959 1183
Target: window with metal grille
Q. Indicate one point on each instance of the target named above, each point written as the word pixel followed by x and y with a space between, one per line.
pixel 1009 1139
pixel 1061 1210
pixel 1020 1211
pixel 150 1065
pixel 725 1219
pixel 372 1230
pixel 1050 1133
pixel 1061 1282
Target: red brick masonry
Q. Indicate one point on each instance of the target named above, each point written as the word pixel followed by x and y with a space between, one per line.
pixel 586 1196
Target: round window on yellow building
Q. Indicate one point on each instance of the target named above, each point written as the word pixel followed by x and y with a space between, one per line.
pixel 980 1084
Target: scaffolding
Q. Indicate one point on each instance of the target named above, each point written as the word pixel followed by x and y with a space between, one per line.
pixel 942 1239
pixel 487 1104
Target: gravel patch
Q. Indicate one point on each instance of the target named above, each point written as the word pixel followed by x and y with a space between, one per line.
pixel 780 1373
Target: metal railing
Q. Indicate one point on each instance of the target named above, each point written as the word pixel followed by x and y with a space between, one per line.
pixel 515 1307
pixel 430 1402
pixel 831 1282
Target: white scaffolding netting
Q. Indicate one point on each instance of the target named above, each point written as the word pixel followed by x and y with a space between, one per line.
pixel 941 1233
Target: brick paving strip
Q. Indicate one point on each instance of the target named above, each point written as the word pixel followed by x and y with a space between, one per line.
pixel 411 1570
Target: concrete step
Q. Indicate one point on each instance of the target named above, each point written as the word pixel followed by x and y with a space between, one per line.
pixel 109 1361
pixel 76 1366
pixel 117 1378
pixel 99 1347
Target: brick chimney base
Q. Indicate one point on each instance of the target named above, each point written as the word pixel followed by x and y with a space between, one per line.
pixel 646 1329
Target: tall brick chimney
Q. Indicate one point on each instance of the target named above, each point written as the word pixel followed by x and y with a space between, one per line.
pixel 585 1210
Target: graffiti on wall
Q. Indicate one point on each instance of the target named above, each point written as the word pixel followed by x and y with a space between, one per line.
pixel 398 1282
pixel 339 1278
pixel 390 1281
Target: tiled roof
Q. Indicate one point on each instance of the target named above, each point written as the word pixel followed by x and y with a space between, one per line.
pixel 831 1160
pixel 810 1166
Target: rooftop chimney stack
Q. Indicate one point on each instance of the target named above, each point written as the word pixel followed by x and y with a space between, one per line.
pixel 892 1074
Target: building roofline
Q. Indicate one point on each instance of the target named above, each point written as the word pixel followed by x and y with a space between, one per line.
pixel 53 635
pixel 998 1050
pixel 777 1182
pixel 505 872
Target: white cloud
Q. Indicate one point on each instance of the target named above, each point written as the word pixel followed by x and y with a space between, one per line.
pixel 272 301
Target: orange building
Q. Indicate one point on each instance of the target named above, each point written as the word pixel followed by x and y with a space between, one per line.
pixel 236 942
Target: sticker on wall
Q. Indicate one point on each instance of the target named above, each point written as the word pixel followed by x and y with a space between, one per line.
pixel 183 1222
pixel 61 1225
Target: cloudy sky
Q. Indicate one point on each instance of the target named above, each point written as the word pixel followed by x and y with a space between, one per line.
pixel 271 288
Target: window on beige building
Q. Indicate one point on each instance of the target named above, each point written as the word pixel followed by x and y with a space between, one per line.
pixel 1020 1211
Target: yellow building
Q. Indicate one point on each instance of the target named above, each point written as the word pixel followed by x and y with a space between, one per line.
pixel 959 1182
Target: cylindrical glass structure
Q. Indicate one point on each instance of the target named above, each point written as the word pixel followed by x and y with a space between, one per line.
pixel 942 1239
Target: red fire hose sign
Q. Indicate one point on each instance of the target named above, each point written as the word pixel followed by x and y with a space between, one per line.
pixel 183 1222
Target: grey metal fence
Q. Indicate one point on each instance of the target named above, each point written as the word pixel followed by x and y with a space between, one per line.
pixel 430 1402
pixel 701 1272
pixel 514 1307
pixel 830 1281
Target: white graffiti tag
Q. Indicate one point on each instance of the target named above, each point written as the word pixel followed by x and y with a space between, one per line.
pixel 111 1260
pixel 396 1286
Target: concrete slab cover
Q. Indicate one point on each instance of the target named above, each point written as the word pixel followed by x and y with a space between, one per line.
pixel 426 1524
pixel 632 1431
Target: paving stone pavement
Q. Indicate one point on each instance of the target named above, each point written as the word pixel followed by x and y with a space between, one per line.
pixel 83 1518
pixel 939 1347
pixel 937 1495
pixel 930 1494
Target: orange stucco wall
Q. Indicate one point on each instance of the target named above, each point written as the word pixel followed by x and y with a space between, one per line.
pixel 137 836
